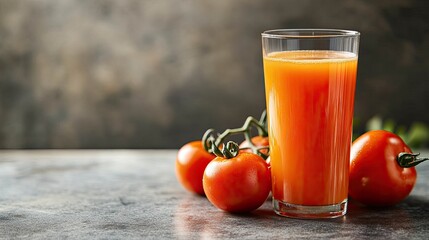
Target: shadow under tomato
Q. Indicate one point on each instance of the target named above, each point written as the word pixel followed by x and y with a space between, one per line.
pixel 265 211
pixel 417 201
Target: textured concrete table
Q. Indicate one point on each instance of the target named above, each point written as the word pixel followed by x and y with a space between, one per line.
pixel 123 194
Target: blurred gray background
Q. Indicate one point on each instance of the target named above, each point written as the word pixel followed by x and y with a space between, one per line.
pixel 157 74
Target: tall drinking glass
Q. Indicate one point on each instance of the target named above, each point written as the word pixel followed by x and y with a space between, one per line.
pixel 310 78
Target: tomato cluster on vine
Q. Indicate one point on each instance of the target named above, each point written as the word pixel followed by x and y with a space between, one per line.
pixel 237 178
pixel 233 178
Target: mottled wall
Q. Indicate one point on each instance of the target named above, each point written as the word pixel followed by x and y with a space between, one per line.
pixel 155 74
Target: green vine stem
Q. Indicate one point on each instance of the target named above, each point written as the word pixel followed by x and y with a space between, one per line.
pixel 407 160
pixel 263 123
pixel 209 140
pixel 245 128
pixel 212 144
pixel 255 149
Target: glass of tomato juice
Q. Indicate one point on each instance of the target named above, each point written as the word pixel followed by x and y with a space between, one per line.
pixel 310 79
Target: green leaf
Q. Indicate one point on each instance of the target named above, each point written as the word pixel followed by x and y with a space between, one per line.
pixel 375 123
pixel 418 135
pixel 401 131
pixel 389 125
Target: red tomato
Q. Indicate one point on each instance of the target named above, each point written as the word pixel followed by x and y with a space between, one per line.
pixel 376 179
pixel 191 161
pixel 258 141
pixel 238 184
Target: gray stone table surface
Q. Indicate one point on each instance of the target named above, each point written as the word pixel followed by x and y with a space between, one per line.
pixel 133 194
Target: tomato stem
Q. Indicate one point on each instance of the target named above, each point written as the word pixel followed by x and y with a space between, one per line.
pixel 263 122
pixel 230 149
pixel 407 160
pixel 247 126
pixel 211 143
pixel 208 140
pixel 254 148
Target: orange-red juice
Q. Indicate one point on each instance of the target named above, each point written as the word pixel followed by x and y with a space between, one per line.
pixel 310 97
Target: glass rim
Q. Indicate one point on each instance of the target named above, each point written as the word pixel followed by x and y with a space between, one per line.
pixel 309 33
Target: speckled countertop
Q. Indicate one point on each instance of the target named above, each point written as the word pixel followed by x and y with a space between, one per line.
pixel 133 194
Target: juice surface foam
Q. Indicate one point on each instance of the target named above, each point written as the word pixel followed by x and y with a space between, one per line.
pixel 311 56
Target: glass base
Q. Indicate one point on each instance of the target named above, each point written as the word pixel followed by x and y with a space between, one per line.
pixel 301 211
